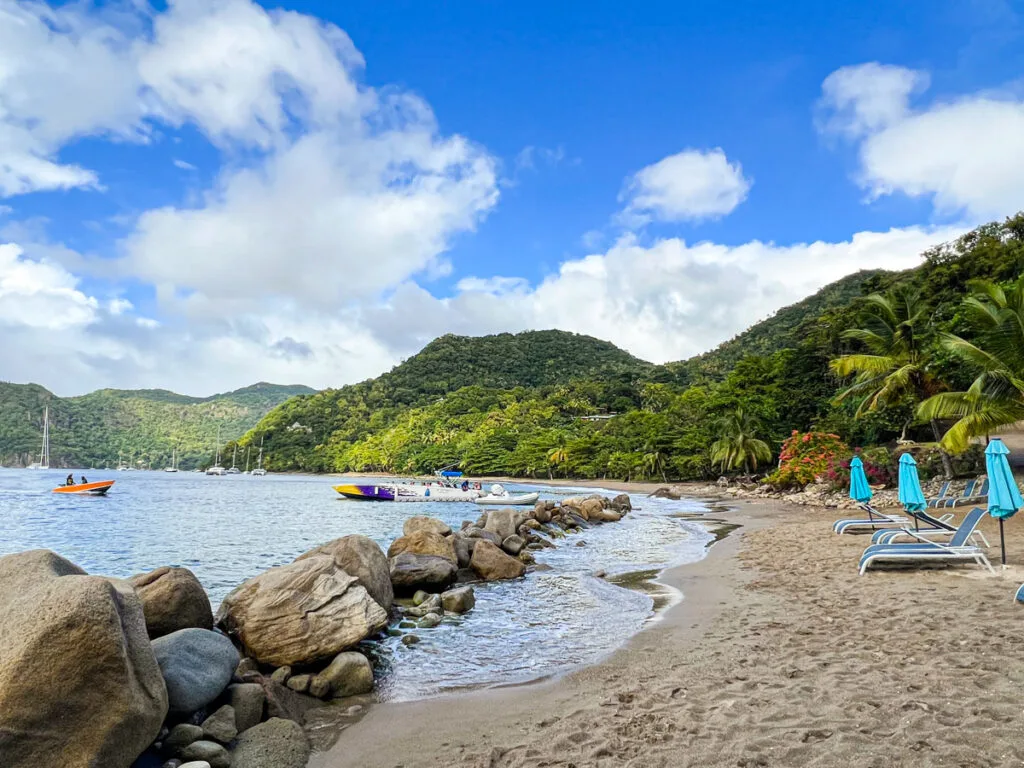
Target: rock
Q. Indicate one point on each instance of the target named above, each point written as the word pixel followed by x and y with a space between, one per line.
pixel 420 597
pixel 276 743
pixel 502 522
pixel 246 665
pixel 247 699
pixel 281 675
pixel 349 674
pixel 575 520
pixel 605 516
pixel 588 508
pixel 529 525
pixel 458 600
pixel 476 532
pixel 410 572
pixel 622 504
pixel 181 736
pixel 465 576
pixel 422 543
pixel 463 550
pixel 424 523
pixel 514 544
pixel 429 621
pixel 220 726
pixel 79 686
pixel 490 563
pixel 282 702
pixel 527 558
pixel 541 513
pixel 410 640
pixel 191 764
pixel 208 751
pixel 430 605
pixel 197 665
pixel 360 556
pixel 319 687
pixel 301 613
pixel 299 683
pixel 172 599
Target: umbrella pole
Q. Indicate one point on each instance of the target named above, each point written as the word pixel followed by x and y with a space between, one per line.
pixel 1002 541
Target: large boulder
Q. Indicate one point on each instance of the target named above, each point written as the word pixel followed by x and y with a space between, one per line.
pixel 622 504
pixel 411 572
pixel 424 523
pixel 301 613
pixel 247 700
pixel 197 665
pixel 172 599
pixel 603 515
pixel 458 600
pixel 463 546
pixel 491 564
pixel 277 743
pixel 423 543
pixel 79 686
pixel 360 556
pixel 475 532
pixel 590 508
pixel 348 675
pixel 502 522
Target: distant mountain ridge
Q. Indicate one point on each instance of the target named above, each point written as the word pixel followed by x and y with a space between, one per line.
pixel 142 427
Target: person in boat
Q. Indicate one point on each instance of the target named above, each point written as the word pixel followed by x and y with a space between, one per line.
pixel 84 481
pixel 465 485
pixel 70 480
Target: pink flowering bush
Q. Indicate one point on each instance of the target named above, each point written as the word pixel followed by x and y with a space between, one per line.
pixel 805 456
pixel 878 466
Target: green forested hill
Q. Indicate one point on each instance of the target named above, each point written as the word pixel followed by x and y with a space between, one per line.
pixel 520 404
pixel 143 427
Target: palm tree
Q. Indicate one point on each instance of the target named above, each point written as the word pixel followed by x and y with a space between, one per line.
pixel 654 463
pixel 996 396
pixel 895 367
pixel 737 446
pixel 557 456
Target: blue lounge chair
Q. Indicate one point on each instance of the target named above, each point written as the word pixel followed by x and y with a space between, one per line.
pixel 975 495
pixel 943 496
pixel 873 521
pixel 925 551
pixel 1019 597
pixel 935 528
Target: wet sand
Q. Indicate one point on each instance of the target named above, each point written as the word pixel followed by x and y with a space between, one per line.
pixel 779 655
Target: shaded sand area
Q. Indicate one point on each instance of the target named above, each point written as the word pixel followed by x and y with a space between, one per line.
pixel 779 655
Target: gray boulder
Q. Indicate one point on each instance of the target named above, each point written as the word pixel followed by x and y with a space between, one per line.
pixel 463 549
pixel 79 686
pixel 424 523
pixel 475 532
pixel 172 599
pixel 514 544
pixel 220 726
pixel 410 572
pixel 360 556
pixel 622 504
pixel 206 751
pixel 301 613
pixel 277 743
pixel 247 699
pixel 491 564
pixel 349 674
pixel 458 600
pixel 197 665
pixel 181 736
pixel 502 522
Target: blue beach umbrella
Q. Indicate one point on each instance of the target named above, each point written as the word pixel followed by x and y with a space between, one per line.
pixel 1003 494
pixel 860 491
pixel 911 495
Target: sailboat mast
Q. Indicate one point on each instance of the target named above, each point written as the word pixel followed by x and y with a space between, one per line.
pixel 248 453
pixel 45 456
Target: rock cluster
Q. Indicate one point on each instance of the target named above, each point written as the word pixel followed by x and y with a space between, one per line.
pixel 818 494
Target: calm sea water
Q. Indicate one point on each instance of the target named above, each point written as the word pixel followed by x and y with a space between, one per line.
pixel 227 529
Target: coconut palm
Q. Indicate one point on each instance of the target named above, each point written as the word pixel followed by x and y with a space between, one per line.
pixel 557 456
pixel 896 366
pixel 996 396
pixel 738 447
pixel 654 463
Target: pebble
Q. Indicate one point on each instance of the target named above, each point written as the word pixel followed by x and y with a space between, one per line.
pixel 410 640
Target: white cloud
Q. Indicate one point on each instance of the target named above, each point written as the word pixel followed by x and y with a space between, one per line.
pixel 965 154
pixel 690 185
pixel 183 165
pixel 38 295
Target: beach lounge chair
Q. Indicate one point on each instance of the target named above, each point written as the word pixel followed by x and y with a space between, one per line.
pixel 873 521
pixel 936 528
pixel 925 551
pixel 1019 596
pixel 943 496
pixel 975 491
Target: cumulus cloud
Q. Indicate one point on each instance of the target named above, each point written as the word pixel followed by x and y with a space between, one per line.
pixel 966 153
pixel 688 186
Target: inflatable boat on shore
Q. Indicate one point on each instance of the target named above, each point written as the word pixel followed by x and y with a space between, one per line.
pixel 499 496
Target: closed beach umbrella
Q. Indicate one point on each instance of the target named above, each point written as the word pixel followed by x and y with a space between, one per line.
pixel 1003 494
pixel 911 495
pixel 860 491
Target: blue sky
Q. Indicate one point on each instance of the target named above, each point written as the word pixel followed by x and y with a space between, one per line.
pixel 198 195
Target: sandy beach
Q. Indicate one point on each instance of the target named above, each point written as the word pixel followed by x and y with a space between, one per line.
pixel 779 655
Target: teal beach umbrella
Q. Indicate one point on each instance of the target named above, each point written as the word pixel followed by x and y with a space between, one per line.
pixel 911 495
pixel 1003 494
pixel 860 491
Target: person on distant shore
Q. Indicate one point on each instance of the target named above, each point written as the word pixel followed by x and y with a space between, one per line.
pixel 70 480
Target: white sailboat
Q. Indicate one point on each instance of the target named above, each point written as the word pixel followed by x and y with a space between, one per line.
pixel 44 455
pixel 174 462
pixel 259 471
pixel 233 469
pixel 217 469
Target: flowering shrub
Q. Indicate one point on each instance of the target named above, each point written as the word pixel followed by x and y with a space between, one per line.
pixel 805 456
pixel 878 466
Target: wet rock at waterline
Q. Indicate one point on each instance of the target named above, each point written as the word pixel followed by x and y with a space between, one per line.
pixel 423 523
pixel 410 572
pixel 503 522
pixel 79 686
pixel 172 599
pixel 360 556
pixel 277 743
pixel 196 664
pixel 349 674
pixel 514 544
pixel 458 600
pixel 622 504
pixel 491 564
pixel 301 613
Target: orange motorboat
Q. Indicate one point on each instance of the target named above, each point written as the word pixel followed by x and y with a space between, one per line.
pixel 90 489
